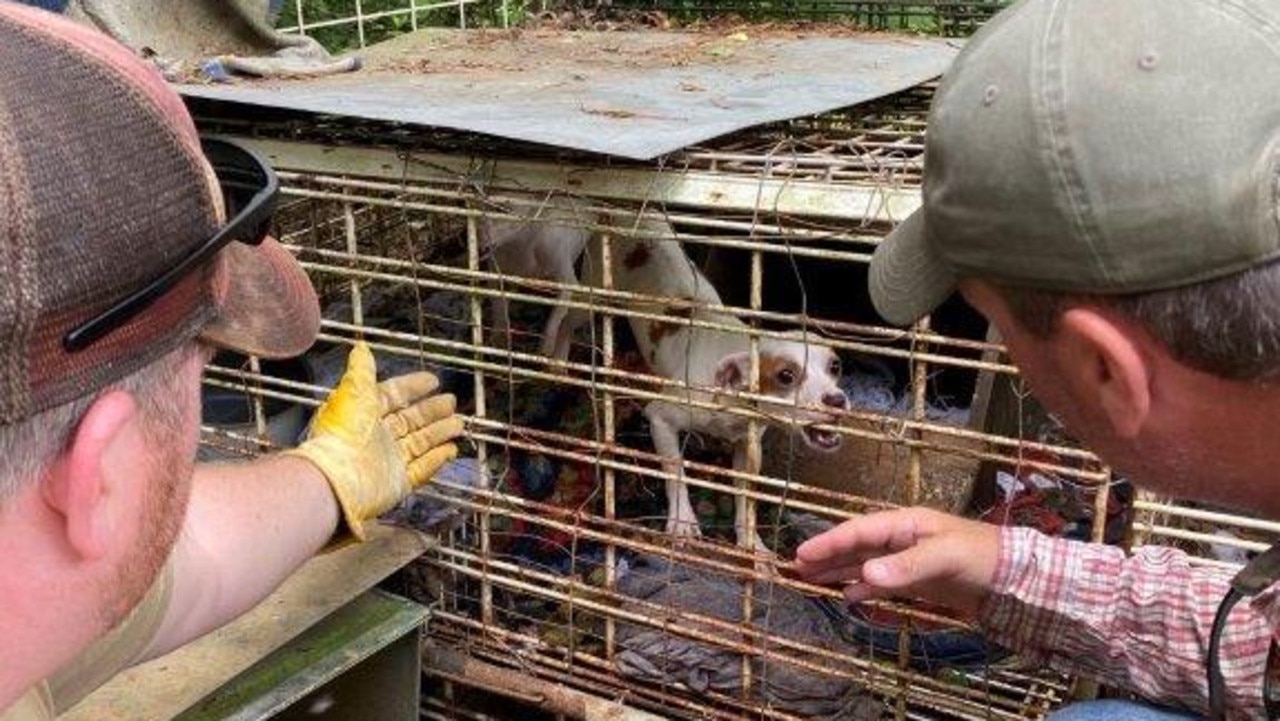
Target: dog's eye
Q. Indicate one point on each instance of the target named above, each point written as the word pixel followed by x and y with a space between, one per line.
pixel 834 367
pixel 786 377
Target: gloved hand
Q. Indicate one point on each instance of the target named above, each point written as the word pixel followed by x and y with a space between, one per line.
pixel 376 442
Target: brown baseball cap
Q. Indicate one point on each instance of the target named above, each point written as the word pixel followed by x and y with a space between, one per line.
pixel 1097 146
pixel 103 189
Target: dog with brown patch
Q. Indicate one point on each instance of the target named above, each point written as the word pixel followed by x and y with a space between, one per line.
pixel 802 374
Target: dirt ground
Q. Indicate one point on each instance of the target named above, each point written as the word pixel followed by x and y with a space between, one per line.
pixel 556 44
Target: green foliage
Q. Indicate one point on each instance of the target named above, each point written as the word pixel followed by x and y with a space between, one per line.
pixel 339 30
pixel 933 17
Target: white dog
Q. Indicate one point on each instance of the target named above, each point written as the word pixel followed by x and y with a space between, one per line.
pixel 802 373
pixel 648 260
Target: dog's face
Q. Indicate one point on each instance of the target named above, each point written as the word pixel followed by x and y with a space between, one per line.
pixel 805 375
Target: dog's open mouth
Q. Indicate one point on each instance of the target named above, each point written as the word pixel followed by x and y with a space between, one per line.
pixel 822 440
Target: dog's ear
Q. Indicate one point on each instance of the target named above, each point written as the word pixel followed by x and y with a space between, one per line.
pixel 732 370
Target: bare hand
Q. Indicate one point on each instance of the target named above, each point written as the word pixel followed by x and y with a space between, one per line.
pixel 913 552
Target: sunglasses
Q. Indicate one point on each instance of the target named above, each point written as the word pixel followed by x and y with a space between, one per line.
pixel 1253 579
pixel 249 190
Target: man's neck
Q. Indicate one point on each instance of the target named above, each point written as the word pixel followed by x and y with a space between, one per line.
pixel 45 613
pixel 1224 443
pixel 32 651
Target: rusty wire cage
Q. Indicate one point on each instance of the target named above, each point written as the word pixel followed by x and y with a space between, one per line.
pixel 389 223
pixel 546 536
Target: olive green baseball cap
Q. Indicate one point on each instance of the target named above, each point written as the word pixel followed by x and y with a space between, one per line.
pixel 1096 146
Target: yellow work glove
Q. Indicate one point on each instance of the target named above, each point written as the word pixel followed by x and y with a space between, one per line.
pixel 376 442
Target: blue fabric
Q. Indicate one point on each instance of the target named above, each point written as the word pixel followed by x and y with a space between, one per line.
pixel 1115 710
pixel 56 6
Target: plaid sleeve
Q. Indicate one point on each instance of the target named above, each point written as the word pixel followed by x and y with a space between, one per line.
pixel 1140 623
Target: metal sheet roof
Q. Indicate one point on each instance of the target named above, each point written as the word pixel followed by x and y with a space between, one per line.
pixel 637 95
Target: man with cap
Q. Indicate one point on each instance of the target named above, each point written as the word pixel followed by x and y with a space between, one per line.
pixel 129 249
pixel 1103 183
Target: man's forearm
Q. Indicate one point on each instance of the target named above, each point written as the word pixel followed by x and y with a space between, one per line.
pixel 248 527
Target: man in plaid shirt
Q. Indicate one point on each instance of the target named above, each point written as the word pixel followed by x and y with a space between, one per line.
pixel 1103 184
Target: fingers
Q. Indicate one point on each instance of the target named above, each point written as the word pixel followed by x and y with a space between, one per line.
pixel 422 469
pixel 864 537
pixel 909 552
pixel 360 361
pixel 885 569
pixel 842 573
pixel 903 570
pixel 402 391
pixel 421 441
pixel 941 571
pixel 421 414
pixel 342 408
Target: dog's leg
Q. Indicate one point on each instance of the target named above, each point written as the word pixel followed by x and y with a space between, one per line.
pixel 682 522
pixel 562 325
pixel 554 340
pixel 747 537
pixel 561 264
pixel 503 259
pixel 559 341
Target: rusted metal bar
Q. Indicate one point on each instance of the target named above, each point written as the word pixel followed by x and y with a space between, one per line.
pixel 989 708
pixel 624 302
pixel 690 188
pixel 482 451
pixel 1083 475
pixel 610 437
pixel 498 206
pixel 530 690
pixel 901 425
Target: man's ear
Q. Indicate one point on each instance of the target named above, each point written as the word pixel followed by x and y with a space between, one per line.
pixel 731 371
pixel 1111 367
pixel 78 485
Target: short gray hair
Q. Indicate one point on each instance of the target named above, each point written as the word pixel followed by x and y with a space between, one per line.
pixel 28 447
pixel 1229 327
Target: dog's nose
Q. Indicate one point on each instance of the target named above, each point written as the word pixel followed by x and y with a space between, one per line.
pixel 836 400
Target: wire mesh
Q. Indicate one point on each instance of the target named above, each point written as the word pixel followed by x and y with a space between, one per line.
pixel 545 541
pixel 543 561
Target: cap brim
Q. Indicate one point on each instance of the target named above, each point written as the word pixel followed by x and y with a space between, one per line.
pixel 270 308
pixel 907 279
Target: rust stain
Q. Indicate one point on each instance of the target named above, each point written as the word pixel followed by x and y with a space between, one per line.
pixel 638 256
pixel 770 366
pixel 621 113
